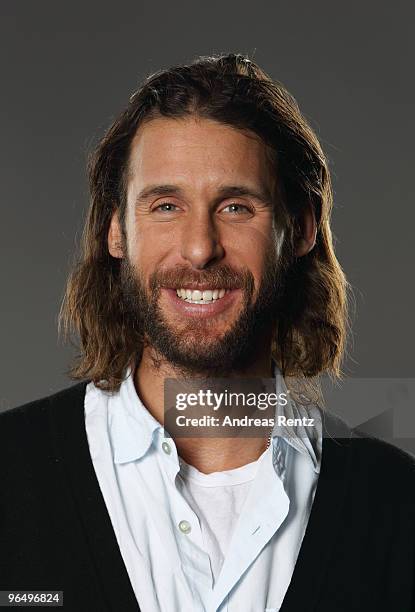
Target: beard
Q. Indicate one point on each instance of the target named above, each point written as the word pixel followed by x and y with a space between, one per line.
pixel 191 346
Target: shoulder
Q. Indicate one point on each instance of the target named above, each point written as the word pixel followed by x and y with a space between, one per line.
pixel 32 415
pixel 364 445
pixel 373 464
pixel 380 457
pixel 29 434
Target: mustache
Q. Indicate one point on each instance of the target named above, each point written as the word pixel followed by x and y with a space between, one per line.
pixel 220 277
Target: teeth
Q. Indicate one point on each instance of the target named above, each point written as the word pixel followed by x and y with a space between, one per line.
pixel 200 297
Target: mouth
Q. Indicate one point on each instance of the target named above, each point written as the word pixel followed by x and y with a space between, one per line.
pixel 199 296
pixel 203 302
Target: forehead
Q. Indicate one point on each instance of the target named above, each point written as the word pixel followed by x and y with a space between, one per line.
pixel 198 152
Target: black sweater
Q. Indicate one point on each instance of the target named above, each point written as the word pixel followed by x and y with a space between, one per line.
pixel 358 552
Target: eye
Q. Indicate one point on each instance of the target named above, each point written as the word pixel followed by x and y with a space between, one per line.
pixel 237 209
pixel 166 207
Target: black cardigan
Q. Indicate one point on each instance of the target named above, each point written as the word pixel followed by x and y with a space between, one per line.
pixel 358 552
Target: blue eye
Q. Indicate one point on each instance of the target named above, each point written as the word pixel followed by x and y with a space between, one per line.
pixel 166 207
pixel 237 209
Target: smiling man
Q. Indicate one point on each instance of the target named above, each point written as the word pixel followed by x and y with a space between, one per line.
pixel 201 240
pixel 207 254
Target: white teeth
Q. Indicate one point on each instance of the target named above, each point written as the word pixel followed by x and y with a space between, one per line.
pixel 200 297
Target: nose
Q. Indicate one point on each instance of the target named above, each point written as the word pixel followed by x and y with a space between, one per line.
pixel 201 244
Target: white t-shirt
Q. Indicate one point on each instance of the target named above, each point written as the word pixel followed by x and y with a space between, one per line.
pixel 217 500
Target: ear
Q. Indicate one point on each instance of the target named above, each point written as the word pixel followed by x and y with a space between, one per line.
pixel 307 232
pixel 115 238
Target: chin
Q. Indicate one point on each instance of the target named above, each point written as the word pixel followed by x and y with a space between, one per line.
pixel 192 342
pixel 200 330
pixel 212 356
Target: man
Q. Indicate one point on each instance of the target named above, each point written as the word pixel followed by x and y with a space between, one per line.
pixel 207 253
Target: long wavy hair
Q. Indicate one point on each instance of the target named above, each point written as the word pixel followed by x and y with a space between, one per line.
pixel 311 325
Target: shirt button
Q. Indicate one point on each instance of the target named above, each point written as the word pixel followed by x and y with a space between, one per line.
pixel 166 447
pixel 185 527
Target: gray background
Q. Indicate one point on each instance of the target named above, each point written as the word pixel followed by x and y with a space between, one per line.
pixel 68 69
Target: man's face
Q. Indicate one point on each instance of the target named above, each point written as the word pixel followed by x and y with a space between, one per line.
pixel 200 271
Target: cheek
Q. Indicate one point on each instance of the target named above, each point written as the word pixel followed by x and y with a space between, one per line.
pixel 148 246
pixel 253 248
pixel 266 245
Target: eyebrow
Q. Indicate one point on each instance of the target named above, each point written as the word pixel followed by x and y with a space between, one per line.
pixel 226 191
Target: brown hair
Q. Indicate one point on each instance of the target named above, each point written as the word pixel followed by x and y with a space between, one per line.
pixel 231 89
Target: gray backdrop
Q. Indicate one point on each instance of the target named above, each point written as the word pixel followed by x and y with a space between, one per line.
pixel 68 69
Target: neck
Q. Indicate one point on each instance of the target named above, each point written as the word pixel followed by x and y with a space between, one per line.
pixel 206 454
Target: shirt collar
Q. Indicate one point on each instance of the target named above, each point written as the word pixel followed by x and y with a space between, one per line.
pixel 133 428
pixel 304 439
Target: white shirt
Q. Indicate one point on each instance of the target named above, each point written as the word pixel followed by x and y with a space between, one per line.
pixel 193 541
pixel 217 500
